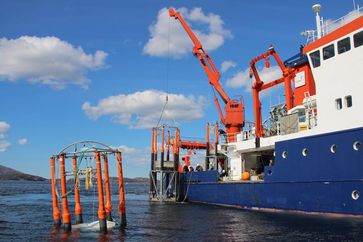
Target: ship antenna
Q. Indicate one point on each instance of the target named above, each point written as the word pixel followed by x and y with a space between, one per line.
pixel 316 9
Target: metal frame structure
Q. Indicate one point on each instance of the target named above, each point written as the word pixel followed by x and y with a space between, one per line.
pixel 164 172
pixel 89 149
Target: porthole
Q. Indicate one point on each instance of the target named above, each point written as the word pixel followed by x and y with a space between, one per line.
pixel 333 148
pixel 355 195
pixel 356 145
pixel 284 154
pixel 305 152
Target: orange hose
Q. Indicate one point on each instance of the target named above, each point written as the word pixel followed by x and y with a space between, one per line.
pixel 108 205
pixel 65 212
pixel 168 146
pixel 178 141
pixel 175 142
pixel 122 204
pixel 56 212
pixel 156 141
pixel 152 141
pixel 162 139
pixel 101 207
pixel 77 200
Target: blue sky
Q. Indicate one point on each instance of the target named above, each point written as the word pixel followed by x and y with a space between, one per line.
pixel 100 70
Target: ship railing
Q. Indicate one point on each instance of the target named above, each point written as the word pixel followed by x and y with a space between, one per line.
pixel 311 35
pixel 193 139
pixel 330 25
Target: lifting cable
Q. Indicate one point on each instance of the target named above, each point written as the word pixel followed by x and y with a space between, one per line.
pixel 167 76
pixel 162 111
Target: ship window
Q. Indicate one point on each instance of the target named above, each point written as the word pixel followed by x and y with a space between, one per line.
pixel 328 52
pixel 315 58
pixel 348 101
pixel 358 39
pixel 343 45
pixel 338 103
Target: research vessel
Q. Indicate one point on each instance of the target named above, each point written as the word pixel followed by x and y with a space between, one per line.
pixel 306 157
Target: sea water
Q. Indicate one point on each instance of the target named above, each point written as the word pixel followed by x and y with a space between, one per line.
pixel 26 215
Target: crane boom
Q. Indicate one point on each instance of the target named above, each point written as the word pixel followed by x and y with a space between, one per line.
pixel 233 119
pixel 207 63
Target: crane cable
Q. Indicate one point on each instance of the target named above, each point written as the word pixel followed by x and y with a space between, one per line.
pixel 167 77
pixel 162 111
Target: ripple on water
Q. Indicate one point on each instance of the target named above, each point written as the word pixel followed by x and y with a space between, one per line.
pixel 26 215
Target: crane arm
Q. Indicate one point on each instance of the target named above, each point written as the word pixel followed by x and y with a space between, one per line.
pixel 207 63
pixel 287 75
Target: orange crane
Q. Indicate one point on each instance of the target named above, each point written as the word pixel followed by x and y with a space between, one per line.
pixel 233 119
pixel 288 75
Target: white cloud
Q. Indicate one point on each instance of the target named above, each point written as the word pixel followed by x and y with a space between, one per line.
pixel 140 156
pixel 4 126
pixel 226 65
pixel 22 141
pixel 242 79
pixel 142 109
pixel 47 60
pixel 168 38
pixel 4 145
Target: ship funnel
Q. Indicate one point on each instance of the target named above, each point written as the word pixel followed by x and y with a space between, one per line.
pixel 316 9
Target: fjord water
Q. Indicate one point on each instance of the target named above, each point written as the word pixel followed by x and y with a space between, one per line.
pixel 26 215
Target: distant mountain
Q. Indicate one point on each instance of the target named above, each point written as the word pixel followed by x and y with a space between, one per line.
pixel 132 180
pixel 7 173
pixel 137 179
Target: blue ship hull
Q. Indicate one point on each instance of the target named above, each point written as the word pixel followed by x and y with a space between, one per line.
pixel 320 182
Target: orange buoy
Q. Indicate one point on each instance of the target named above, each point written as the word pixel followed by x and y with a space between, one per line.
pixel 108 205
pixel 245 176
